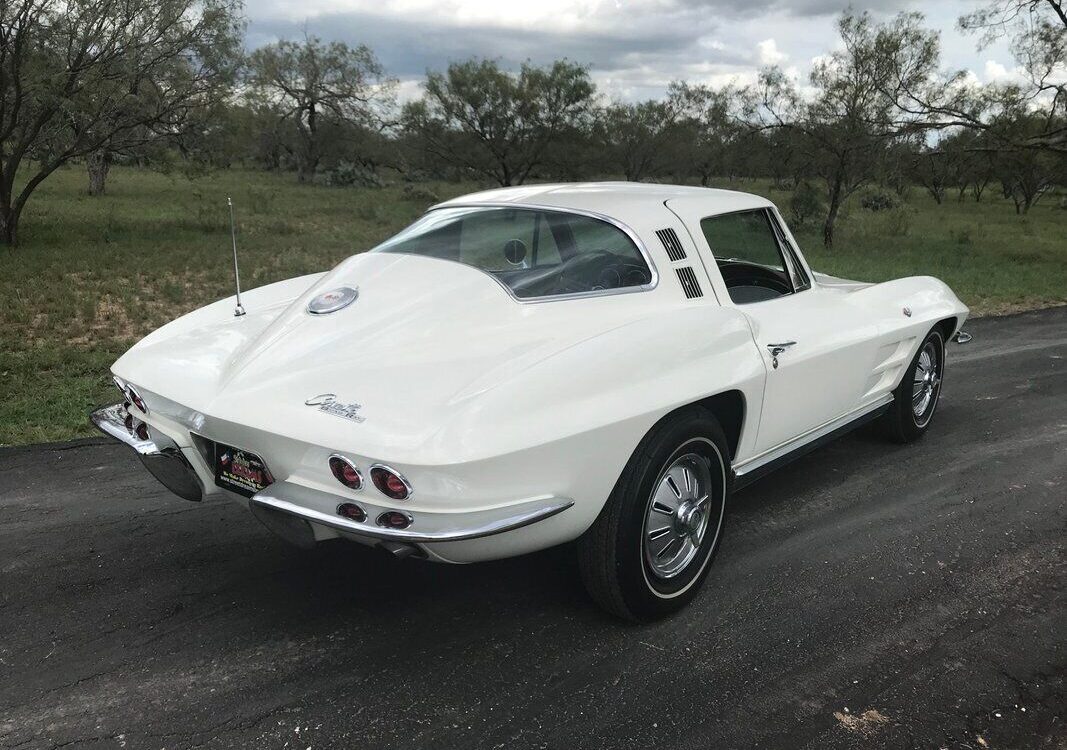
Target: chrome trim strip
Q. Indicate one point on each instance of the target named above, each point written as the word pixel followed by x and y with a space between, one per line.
pixel 773 454
pixel 634 237
pixel 273 498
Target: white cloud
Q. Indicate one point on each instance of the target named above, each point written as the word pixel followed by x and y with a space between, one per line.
pixel 632 47
pixel 769 53
pixel 409 90
pixel 969 80
pixel 997 73
pixel 994 71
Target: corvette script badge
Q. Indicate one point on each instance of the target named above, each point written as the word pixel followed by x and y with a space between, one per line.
pixel 328 403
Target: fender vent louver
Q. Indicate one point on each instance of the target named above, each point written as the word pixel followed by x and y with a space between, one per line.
pixel 689 282
pixel 671 244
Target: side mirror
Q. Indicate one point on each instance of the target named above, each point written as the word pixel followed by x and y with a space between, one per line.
pixel 515 252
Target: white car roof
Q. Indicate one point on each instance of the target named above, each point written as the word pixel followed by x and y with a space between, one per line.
pixel 615 199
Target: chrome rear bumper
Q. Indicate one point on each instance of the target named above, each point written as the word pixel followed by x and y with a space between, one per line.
pixel 289 509
pixel 316 506
pixel 159 454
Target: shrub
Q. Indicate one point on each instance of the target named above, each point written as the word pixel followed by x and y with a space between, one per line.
pixel 898 221
pixel 806 204
pixel 347 174
pixel 877 199
pixel 419 194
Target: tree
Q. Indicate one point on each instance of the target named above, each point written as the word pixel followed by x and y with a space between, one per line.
pixel 933 168
pixel 313 85
pixel 496 124
pixel 78 74
pixel 853 115
pixel 637 137
pixel 709 127
pixel 971 161
pixel 1026 174
pixel 1037 30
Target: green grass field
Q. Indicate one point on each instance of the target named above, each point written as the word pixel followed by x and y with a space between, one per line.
pixel 93 275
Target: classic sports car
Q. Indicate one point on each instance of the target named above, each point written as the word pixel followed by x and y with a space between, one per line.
pixel 530 366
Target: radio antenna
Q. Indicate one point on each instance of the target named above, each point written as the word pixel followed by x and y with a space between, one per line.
pixel 239 310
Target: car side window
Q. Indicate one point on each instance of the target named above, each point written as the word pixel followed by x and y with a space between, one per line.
pixel 749 255
pixel 535 253
pixel 483 235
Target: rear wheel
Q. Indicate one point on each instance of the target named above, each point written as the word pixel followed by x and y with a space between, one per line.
pixel 915 399
pixel 650 548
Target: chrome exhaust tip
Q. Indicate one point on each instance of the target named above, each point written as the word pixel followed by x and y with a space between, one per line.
pixel 400 550
pixel 962 337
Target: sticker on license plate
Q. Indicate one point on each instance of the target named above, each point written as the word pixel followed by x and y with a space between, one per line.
pixel 240 471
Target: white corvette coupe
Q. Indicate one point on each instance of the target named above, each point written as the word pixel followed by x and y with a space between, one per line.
pixel 530 366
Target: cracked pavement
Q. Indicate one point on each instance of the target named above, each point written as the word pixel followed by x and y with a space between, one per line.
pixel 869 595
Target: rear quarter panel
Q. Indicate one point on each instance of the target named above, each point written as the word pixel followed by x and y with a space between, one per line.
pixel 569 424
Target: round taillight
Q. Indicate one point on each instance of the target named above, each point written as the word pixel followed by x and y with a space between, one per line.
pixel 352 512
pixel 394 519
pixel 346 473
pixel 390 483
pixel 142 431
pixel 135 398
pixel 128 422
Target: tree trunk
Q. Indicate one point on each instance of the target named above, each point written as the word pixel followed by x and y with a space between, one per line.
pixel 831 214
pixel 98 164
pixel 828 226
pixel 307 165
pixel 9 222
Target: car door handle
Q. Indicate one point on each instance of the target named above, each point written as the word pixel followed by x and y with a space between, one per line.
pixel 776 349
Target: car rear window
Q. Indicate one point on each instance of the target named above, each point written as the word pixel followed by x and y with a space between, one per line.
pixel 535 253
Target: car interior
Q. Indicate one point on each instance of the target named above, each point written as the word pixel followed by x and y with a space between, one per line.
pixel 535 253
pixel 748 251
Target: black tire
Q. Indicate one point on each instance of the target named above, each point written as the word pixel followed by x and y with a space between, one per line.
pixel 615 564
pixel 903 423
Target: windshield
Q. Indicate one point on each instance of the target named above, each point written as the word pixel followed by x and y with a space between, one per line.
pixel 533 252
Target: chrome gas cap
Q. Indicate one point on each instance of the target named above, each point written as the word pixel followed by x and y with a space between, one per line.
pixel 333 300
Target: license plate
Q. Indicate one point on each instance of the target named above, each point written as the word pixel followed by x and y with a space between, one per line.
pixel 240 471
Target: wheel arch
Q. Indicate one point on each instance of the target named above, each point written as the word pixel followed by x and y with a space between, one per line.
pixel 728 407
pixel 947 327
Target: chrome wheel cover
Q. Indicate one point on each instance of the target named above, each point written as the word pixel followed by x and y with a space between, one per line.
pixel 926 383
pixel 677 517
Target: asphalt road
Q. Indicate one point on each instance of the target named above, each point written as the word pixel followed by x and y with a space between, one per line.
pixel 871 595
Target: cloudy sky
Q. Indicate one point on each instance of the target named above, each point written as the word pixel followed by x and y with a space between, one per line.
pixel 633 47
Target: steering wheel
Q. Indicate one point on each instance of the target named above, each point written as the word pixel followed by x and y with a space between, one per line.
pixel 737 274
pixel 581 271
